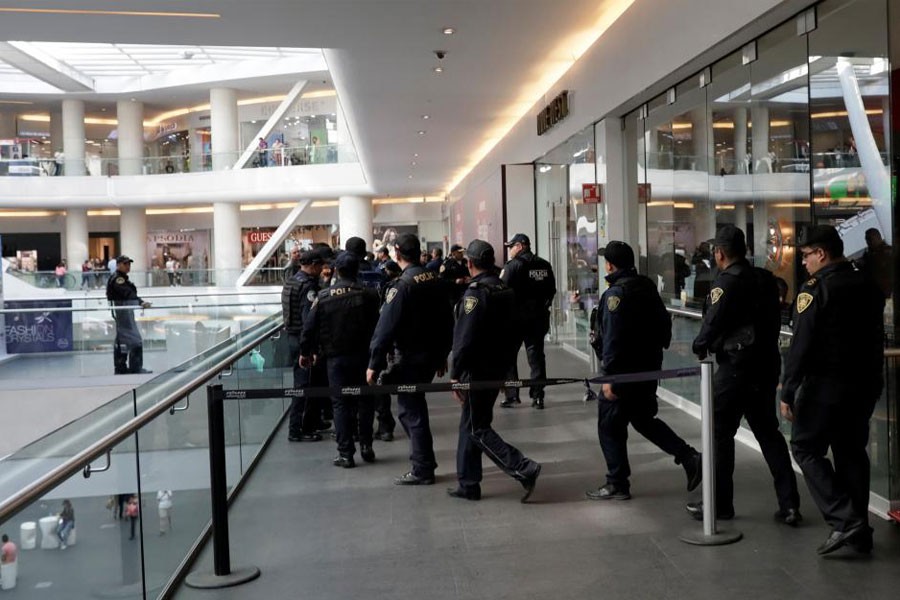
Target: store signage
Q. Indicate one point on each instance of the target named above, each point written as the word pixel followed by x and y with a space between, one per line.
pixel 167 127
pixel 553 113
pixel 591 193
pixel 169 238
pixel 48 331
pixel 259 237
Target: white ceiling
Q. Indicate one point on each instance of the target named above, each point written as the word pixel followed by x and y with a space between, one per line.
pixel 380 54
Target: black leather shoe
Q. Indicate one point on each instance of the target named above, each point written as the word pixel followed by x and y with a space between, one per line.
pixel 864 543
pixel 695 509
pixel 538 403
pixel 839 539
pixel 473 494
pixel 529 484
pixel 789 516
pixel 509 402
pixel 324 427
pixel 610 491
pixel 384 436
pixel 305 437
pixel 693 468
pixel 412 479
pixel 346 462
pixel 143 371
pixel 367 453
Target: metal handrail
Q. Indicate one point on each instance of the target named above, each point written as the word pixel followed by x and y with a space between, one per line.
pixel 33 491
pixel 12 311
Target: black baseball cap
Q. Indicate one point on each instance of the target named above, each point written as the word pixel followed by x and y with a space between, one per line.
pixel 408 245
pixel 480 250
pixel 316 256
pixel 456 247
pixel 821 235
pixel 619 254
pixel 122 259
pixel 356 245
pixel 519 238
pixel 346 261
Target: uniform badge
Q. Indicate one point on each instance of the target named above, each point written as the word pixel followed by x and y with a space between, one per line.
pixel 612 303
pixel 811 282
pixel 311 295
pixel 442 269
pixel 804 300
pixel 391 294
pixel 315 302
pixel 120 280
pixel 470 304
pixel 716 294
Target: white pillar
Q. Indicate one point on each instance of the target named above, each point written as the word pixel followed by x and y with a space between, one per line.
pixel 73 136
pixel 7 125
pixel 740 141
pixel 227 242
pixel 133 239
pixel 56 131
pixel 355 216
pixel 76 238
pixel 131 137
pixel 621 195
pixel 759 117
pixel 223 124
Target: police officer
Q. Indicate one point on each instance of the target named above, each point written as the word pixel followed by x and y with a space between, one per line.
pixel 383 415
pixel 369 276
pixel 837 357
pixel 297 296
pixel 483 348
pixel 456 271
pixel 128 348
pixel 635 327
pixel 741 324
pixel 416 322
pixel 531 278
pixel 341 321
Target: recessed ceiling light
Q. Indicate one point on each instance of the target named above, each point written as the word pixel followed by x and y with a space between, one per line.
pixel 426 116
pixel 410 177
pixel 413 163
pixel 438 69
pixel 416 155
pixel 449 31
pixel 421 132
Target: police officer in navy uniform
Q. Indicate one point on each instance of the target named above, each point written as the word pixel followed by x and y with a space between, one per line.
pixel 297 297
pixel 741 324
pixel 635 328
pixel 531 278
pixel 341 322
pixel 369 276
pixel 383 416
pixel 416 323
pixel 483 348
pixel 832 381
pixel 455 271
pixel 128 347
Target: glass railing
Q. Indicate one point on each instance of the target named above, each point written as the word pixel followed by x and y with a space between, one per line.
pixel 148 444
pixel 195 162
pixel 159 277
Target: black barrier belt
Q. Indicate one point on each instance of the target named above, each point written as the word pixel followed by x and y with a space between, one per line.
pixel 375 390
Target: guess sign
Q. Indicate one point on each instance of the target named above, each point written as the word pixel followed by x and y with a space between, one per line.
pixel 259 237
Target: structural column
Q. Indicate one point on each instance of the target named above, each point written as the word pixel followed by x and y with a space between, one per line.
pixel 621 194
pixel 355 216
pixel 73 136
pixel 56 131
pixel 7 125
pixel 740 141
pixel 76 238
pixel 133 234
pixel 131 137
pixel 223 122
pixel 227 243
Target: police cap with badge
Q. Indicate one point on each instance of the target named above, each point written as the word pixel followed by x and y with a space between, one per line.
pixel 824 236
pixel 519 238
pixel 316 256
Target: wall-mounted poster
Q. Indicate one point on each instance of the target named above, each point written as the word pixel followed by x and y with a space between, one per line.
pixel 386 235
pixel 28 332
pixel 189 248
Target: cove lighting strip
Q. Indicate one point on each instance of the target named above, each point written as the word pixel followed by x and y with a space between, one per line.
pixel 113 13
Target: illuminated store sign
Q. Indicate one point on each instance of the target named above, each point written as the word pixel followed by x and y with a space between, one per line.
pixel 553 113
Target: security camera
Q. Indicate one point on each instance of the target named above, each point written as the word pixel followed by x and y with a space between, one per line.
pixel 440 54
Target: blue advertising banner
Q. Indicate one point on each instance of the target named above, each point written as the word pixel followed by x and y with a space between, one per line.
pixel 38 331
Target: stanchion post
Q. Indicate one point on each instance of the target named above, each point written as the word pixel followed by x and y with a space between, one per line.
pixel 222 575
pixel 711 535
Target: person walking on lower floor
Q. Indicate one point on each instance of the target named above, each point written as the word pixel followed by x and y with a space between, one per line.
pixel 835 361
pixel 164 506
pixel 66 524
pixel 482 351
pixel 741 325
pixel 634 328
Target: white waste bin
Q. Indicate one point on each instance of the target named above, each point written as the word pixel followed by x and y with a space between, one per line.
pixel 28 535
pixel 48 525
pixel 8 574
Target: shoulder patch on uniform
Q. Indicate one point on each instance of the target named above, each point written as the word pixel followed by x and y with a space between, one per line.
pixel 315 302
pixel 311 295
pixel 612 303
pixel 502 272
pixel 716 294
pixel 804 300
pixel 811 282
pixel 120 280
pixel 442 269
pixel 470 303
pixel 391 294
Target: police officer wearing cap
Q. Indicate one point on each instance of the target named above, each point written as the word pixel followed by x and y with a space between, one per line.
pixel 531 278
pixel 832 380
pixel 341 322
pixel 483 348
pixel 741 325
pixel 416 323
pixel 635 328
pixel 297 297
pixel 456 271
pixel 128 347
pixel 369 276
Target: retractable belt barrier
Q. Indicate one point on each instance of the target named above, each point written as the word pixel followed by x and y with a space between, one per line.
pixel 374 390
